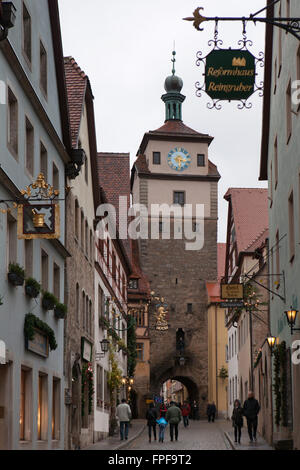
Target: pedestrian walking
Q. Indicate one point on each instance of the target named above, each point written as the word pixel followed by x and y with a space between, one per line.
pixel 123 413
pixel 151 417
pixel 173 417
pixel 213 411
pixel 195 410
pixel 162 424
pixel 162 411
pixel 208 411
pixel 237 420
pixel 185 411
pixel 250 410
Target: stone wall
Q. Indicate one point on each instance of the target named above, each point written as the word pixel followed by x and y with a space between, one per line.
pixel 179 276
pixel 79 269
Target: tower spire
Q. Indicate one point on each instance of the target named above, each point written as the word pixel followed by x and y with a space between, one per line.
pixel 173 60
pixel 173 99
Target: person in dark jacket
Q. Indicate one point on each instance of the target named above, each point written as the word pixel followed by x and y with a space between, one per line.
pixel 151 417
pixel 250 410
pixel 237 420
pixel 211 411
pixel 173 417
pixel 195 410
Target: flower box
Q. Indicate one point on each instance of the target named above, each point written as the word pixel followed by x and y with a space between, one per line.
pixel 60 311
pixel 16 274
pixel 49 301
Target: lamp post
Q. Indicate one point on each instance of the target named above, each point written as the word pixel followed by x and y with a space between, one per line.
pixel 291 316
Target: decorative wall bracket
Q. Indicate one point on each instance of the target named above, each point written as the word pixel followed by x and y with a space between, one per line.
pixel 38 211
pixel 290 25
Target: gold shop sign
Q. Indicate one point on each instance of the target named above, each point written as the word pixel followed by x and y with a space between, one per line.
pixel 232 291
pixel 39 215
pixel 230 74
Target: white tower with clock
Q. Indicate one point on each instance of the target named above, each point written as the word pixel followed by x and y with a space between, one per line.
pixel 173 167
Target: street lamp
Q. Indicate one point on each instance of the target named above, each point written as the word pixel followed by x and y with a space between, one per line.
pixel 271 340
pixel 181 361
pixel 104 348
pixel 291 316
pixel 7 18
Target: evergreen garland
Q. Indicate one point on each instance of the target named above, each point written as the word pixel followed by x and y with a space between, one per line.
pixel 32 323
pixel 131 346
pixel 87 378
pixel 280 385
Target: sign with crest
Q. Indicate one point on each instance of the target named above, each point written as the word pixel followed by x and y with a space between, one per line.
pixel 230 74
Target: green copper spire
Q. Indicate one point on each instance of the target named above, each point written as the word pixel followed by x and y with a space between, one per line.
pixel 173 99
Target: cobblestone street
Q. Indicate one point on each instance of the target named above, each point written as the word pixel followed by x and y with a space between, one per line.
pixel 200 435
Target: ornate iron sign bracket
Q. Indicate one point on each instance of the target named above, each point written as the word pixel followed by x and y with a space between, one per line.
pixel 290 25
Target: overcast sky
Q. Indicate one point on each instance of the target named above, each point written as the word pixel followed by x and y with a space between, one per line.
pixel 125 47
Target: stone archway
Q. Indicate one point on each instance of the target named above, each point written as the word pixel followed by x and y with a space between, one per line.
pixel 184 375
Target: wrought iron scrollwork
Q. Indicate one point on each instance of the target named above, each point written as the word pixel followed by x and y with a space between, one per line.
pixel 244 45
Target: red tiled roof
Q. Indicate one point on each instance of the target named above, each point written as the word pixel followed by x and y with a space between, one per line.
pixel 250 214
pixel 213 288
pixel 259 241
pixel 114 181
pixel 221 260
pixel 76 81
pixel 141 164
pixel 176 127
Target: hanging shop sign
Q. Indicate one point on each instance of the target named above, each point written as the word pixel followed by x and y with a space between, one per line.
pixel 86 349
pixel 39 216
pixel 38 210
pixel 230 74
pixel 232 291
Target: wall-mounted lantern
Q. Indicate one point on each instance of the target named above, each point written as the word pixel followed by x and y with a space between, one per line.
pixel 291 316
pixel 7 18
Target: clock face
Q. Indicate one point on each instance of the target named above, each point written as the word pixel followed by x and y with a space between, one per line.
pixel 179 159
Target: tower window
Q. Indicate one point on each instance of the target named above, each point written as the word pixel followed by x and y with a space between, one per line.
pixel 200 160
pixel 179 197
pixel 189 308
pixel 156 158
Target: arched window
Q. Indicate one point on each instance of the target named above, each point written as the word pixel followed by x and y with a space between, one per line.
pixel 77 304
pixel 83 310
pixel 76 219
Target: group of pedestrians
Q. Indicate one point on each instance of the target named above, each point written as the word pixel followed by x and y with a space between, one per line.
pixel 173 414
pixel 250 410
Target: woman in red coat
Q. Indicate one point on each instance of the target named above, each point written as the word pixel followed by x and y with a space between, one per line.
pixel 185 411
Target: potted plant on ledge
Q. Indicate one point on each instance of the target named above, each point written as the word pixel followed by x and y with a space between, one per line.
pixel 16 274
pixel 60 310
pixel 49 301
pixel 32 287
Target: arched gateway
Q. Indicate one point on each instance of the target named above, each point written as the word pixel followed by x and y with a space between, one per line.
pixel 173 168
